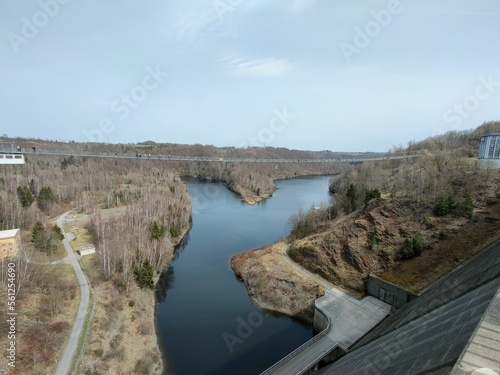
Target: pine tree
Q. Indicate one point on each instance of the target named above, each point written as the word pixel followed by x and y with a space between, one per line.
pixel 40 237
pixel 144 275
pixel 24 196
pixel 45 199
pixel 58 232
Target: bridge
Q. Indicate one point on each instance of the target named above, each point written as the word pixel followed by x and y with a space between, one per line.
pixel 209 159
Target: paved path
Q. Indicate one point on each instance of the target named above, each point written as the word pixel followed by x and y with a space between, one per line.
pixel 64 365
pixel 349 319
pixel 325 284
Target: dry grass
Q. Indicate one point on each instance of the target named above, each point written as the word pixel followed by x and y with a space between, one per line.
pixel 44 320
pixel 445 254
pixel 123 336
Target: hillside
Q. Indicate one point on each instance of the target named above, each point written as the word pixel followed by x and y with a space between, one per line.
pixel 407 222
pixel 252 181
pixel 133 214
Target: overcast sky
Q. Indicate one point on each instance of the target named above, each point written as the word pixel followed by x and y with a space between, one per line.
pixel 307 74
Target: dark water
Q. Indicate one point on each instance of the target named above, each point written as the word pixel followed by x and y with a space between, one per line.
pixel 206 323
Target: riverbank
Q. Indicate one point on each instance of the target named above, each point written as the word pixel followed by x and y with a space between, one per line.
pixel 345 254
pixel 202 303
pixel 247 195
pixel 274 285
pixel 122 338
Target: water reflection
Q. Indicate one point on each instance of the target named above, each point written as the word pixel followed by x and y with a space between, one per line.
pixel 207 303
pixel 165 282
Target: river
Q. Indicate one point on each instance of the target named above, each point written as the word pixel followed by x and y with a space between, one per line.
pixel 205 321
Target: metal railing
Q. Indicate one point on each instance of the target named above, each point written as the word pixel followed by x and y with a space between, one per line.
pixel 205 158
pixel 307 344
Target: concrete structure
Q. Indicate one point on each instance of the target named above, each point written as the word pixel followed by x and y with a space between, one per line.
pixel 453 327
pixel 387 292
pixel 482 349
pixel 86 250
pixel 9 154
pixel 489 151
pixel 342 320
pixel 10 240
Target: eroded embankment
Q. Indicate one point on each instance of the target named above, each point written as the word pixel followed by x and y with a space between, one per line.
pixel 273 285
pixel 367 242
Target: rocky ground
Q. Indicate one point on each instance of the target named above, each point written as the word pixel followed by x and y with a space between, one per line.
pixel 273 285
pixel 247 195
pixel 369 241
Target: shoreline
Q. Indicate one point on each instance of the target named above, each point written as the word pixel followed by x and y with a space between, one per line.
pixel 123 333
pixel 177 242
pixel 251 198
pixel 273 285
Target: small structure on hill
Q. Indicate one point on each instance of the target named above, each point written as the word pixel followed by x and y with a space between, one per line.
pixel 10 241
pixel 10 154
pixel 86 250
pixel 489 151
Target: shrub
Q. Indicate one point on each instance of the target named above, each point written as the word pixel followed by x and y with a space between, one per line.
pixel 412 247
pixel 447 204
pixel 466 207
pixel 373 242
pixel 174 231
pixel 441 208
pixel 371 194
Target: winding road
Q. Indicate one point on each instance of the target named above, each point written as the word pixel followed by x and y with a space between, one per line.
pixel 64 365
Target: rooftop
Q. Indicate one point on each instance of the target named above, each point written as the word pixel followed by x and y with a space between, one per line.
pixel 4 234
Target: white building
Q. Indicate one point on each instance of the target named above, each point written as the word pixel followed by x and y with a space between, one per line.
pixel 10 154
pixel 489 151
pixel 86 250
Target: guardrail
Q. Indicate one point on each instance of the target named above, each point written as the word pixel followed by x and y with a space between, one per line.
pixel 307 344
pixel 206 158
pixel 15 158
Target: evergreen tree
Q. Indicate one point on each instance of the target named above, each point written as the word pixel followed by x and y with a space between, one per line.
pixel 351 194
pixel 24 196
pixel 32 187
pixel 40 238
pixel 156 230
pixel 45 199
pixel 58 232
pixel 144 275
pixel 442 207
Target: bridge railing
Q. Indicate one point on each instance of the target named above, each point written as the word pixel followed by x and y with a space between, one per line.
pixel 147 156
pixel 307 344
